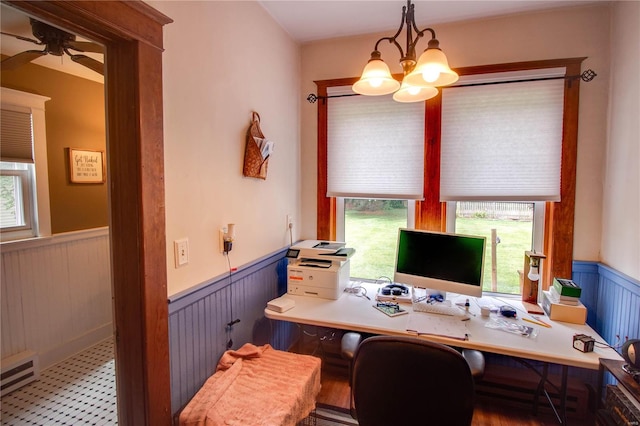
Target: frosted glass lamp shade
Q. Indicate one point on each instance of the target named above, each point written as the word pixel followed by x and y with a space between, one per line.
pixel 433 69
pixel 376 80
pixel 408 93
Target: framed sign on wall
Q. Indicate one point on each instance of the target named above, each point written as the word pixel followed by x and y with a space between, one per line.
pixel 86 166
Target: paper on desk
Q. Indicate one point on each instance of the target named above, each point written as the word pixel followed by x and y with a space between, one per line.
pixel 438 325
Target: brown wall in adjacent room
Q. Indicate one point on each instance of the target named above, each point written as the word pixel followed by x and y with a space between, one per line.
pixel 75 118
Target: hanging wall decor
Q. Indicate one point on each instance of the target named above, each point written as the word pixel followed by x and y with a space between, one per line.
pixel 86 166
pixel 257 151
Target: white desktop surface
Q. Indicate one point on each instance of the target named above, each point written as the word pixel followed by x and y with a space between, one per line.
pixel 353 312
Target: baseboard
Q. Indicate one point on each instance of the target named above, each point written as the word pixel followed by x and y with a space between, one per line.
pixel 58 354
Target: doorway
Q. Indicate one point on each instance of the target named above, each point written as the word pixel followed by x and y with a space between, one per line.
pixel 132 34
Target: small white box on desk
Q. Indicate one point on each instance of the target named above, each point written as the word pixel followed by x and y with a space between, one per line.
pixel 281 304
pixel 576 314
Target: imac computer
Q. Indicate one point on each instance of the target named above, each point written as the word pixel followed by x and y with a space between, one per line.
pixel 440 262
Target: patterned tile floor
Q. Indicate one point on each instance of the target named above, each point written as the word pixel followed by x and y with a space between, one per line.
pixel 79 391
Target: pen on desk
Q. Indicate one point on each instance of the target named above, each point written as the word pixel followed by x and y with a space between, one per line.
pixel 539 320
pixel 544 324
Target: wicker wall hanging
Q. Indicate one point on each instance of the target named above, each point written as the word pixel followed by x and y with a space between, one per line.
pixel 257 150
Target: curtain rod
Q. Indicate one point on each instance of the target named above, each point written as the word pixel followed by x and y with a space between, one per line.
pixel 586 76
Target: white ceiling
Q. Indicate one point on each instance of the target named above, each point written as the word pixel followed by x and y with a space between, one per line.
pixel 309 20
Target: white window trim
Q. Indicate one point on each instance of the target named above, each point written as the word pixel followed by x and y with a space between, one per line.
pixel 35 103
pixel 24 231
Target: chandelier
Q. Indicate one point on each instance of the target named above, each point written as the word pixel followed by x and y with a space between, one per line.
pixel 420 78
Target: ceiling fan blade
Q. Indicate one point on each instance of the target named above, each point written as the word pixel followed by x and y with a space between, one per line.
pixel 85 46
pixel 22 38
pixel 22 58
pixel 88 62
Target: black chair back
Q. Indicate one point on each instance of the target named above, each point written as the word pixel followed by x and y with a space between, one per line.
pixel 409 381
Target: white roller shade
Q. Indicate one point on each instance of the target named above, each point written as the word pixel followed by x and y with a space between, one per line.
pixel 375 147
pixel 502 142
pixel 16 136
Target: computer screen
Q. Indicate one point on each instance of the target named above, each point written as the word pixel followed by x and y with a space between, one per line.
pixel 440 262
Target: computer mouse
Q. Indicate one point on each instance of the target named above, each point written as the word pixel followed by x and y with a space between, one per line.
pixel 507 311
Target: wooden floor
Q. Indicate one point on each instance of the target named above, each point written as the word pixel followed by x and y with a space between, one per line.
pixel 488 412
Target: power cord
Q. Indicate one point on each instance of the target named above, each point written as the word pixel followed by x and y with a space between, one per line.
pixel 233 322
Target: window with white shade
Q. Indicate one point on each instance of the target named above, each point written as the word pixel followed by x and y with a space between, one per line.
pixel 436 212
pixel 501 152
pixel 24 205
pixel 502 141
pixel 375 147
pixel 375 163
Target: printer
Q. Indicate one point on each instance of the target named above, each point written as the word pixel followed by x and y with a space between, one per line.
pixel 318 268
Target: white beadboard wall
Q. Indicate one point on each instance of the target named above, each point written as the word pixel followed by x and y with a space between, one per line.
pixel 56 294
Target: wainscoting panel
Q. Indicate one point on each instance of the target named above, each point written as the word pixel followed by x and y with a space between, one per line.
pixel 198 332
pixel 613 301
pixel 56 294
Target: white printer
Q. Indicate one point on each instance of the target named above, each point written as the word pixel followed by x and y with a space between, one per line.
pixel 318 268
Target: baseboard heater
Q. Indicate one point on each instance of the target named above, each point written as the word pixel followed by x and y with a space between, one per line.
pixel 18 370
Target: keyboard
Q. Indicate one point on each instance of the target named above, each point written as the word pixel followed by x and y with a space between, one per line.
pixel 438 308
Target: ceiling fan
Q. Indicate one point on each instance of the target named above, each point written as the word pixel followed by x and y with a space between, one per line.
pixel 56 42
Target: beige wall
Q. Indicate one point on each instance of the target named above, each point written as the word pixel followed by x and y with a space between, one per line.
pixel 222 61
pixel 75 117
pixel 621 206
pixel 562 33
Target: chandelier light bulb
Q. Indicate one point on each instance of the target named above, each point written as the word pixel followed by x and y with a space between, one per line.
pixel 430 74
pixel 375 82
pixel 413 90
pixel 409 93
pixel 376 78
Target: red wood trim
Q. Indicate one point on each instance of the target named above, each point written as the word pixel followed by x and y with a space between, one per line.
pixel 431 213
pixel 560 227
pixel 132 34
pixel 325 206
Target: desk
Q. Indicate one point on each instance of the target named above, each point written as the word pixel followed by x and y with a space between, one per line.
pixel 552 345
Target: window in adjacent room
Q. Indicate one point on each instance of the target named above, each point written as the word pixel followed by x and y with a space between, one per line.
pixel 16 198
pixel 375 170
pixel 22 141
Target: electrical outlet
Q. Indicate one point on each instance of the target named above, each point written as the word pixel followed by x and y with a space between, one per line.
pixel 289 221
pixel 181 252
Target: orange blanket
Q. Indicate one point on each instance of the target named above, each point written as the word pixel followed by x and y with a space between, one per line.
pixel 256 385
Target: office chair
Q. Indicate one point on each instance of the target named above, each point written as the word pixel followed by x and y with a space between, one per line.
pixel 409 381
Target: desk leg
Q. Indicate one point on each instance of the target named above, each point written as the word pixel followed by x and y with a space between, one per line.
pixel 562 391
pixel 563 394
pixel 599 403
pixel 540 388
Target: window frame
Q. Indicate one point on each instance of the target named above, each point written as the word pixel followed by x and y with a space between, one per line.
pixel 26 205
pixel 39 171
pixel 431 212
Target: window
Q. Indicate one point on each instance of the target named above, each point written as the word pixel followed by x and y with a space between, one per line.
pixel 432 213
pixel 510 229
pixel 16 198
pixel 24 206
pixel 375 171
pixel 371 227
pixel 507 138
